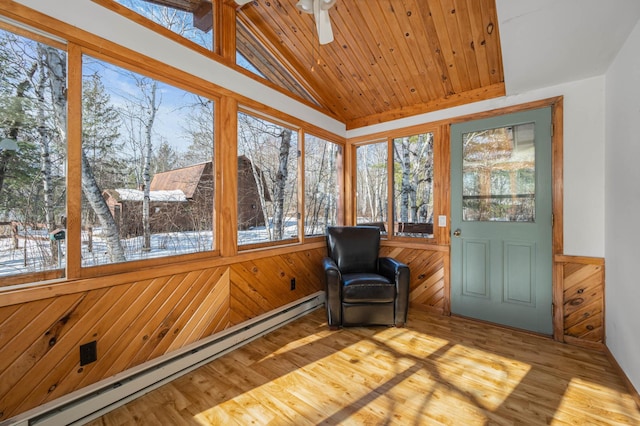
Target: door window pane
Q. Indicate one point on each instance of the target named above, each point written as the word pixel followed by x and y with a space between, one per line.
pixel 371 185
pixel 322 164
pixel 413 185
pixel 499 174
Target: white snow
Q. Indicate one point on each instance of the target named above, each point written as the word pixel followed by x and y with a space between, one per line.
pixel 173 195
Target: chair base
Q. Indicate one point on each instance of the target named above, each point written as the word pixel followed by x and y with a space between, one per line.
pixel 368 314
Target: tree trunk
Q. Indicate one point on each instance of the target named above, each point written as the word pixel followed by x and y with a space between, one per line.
pixel 146 174
pixel 56 64
pixel 45 158
pixel 281 182
pixel 96 201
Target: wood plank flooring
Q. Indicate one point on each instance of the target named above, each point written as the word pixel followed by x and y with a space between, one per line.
pixel 437 370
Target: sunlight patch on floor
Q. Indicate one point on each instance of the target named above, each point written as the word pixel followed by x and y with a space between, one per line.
pixel 474 371
pixel 582 396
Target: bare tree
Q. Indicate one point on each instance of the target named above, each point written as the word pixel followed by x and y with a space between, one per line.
pixel 56 64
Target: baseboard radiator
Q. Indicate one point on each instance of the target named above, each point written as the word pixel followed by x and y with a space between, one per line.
pixel 98 399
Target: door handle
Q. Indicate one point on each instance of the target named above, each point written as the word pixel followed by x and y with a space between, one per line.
pixel 457 232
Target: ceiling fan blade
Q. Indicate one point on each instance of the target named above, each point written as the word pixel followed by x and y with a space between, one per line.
pixel 323 23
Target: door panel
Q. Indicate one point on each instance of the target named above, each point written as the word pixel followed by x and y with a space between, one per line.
pixel 476 275
pixel 501 251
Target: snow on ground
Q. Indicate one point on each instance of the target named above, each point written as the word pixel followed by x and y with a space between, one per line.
pixel 36 249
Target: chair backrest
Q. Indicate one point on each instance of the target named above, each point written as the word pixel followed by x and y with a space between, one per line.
pixel 354 248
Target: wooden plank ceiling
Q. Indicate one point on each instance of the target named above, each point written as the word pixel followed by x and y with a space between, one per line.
pixel 389 59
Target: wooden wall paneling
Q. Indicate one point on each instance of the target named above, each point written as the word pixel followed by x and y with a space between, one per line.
pixel 50 346
pixel 131 322
pixel 24 341
pixel 261 285
pixel 131 315
pixel 427 285
pixel 584 301
pixel 583 281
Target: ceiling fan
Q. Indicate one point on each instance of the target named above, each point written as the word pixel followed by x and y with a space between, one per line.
pixel 320 11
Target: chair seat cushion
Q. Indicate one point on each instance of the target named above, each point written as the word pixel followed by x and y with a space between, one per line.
pixel 367 288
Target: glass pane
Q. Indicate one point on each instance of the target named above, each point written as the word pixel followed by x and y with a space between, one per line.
pixel 252 55
pixel 33 121
pixel 413 185
pixel 499 174
pixel 189 19
pixel 147 175
pixel 371 185
pixel 267 181
pixel 322 162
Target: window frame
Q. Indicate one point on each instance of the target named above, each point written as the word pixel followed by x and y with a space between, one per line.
pixel 297 129
pixel 135 66
pixel 76 43
pixel 440 183
pixel 340 177
pixel 54 274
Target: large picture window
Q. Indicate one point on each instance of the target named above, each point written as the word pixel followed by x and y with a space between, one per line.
pixel 147 167
pixel 33 139
pixel 267 181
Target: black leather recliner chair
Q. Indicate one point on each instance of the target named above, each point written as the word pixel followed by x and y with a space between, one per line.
pixel 362 288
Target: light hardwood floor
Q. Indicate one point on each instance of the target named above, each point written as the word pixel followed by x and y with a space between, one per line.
pixel 437 370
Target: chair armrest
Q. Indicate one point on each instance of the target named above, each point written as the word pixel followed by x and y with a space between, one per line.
pixel 398 273
pixel 333 291
pixel 390 268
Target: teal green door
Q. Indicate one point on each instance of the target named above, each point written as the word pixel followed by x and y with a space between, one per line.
pixel 501 220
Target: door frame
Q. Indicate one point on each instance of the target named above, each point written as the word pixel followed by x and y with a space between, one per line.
pixel 557 190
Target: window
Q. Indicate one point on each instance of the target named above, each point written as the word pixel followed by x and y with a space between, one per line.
pixel 413 185
pixel 189 19
pixel 371 185
pixel 322 183
pixel 148 179
pixel 33 143
pixel 267 181
pixel 499 174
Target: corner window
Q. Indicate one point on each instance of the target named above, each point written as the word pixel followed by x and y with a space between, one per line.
pixel 147 167
pixel 322 183
pixel 33 142
pixel 267 181
pixel 413 185
pixel 371 185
